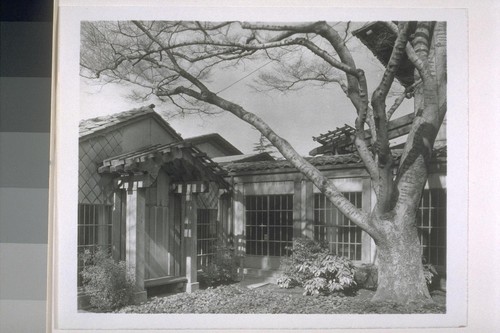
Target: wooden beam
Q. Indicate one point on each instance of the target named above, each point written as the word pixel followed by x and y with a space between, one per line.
pixel 164 281
pixel 394 125
pixel 396 128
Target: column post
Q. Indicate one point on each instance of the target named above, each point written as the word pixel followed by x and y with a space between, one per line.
pixel 135 234
pixel 190 237
pixel 117 223
pixel 298 227
pixel 307 211
pixel 238 217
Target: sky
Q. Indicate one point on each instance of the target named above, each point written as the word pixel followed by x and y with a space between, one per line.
pixel 296 116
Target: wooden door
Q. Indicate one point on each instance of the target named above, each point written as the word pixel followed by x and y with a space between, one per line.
pixel 163 257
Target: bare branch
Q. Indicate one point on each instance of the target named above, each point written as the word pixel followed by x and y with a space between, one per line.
pixel 324 184
pixel 298 28
pixel 325 56
pixel 382 149
pixel 179 69
pixel 408 93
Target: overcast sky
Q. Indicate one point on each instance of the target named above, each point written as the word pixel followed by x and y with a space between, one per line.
pixel 296 116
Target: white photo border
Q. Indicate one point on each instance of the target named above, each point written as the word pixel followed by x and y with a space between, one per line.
pixel 65 315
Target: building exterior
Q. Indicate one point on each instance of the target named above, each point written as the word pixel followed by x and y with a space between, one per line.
pixel 148 196
pixel 273 203
pixel 161 203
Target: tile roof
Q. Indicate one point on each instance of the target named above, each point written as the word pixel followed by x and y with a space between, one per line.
pixel 347 159
pixel 93 125
pixel 352 160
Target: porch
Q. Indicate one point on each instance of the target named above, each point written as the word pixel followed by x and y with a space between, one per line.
pixel 163 196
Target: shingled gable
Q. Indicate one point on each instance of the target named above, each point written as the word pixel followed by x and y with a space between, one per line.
pixel 96 126
pixel 117 159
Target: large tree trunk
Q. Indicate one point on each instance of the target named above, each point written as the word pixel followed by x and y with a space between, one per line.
pixel 401 279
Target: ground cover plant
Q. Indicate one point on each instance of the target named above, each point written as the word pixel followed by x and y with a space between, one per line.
pixel 237 299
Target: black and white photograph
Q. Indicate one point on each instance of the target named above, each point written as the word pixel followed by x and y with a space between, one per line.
pixel 291 163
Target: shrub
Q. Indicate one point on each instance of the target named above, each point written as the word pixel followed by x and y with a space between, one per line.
pixel 106 281
pixel 429 273
pixel 313 267
pixel 366 275
pixel 330 274
pixel 223 269
pixel 303 250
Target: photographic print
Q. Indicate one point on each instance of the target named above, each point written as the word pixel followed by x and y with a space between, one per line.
pixel 261 166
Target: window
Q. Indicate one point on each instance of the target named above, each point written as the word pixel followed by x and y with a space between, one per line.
pixel 94 226
pixel 269 224
pixel 431 223
pixel 94 230
pixel 206 236
pixel 331 226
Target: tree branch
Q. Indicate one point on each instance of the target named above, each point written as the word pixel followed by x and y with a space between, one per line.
pixel 327 57
pixel 299 28
pixel 325 185
pixel 179 69
pixel 399 100
pixel 382 149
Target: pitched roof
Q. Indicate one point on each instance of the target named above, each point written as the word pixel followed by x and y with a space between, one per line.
pixel 139 159
pixel 265 156
pixel 214 137
pixel 379 39
pixel 346 160
pixel 90 126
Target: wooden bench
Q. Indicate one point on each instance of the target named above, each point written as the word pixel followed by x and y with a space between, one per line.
pixel 162 281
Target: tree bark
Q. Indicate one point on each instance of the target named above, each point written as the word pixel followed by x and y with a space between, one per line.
pixel 400 272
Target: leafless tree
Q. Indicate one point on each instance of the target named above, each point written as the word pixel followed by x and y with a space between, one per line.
pixel 174 60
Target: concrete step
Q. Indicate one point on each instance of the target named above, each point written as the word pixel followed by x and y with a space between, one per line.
pixel 259 273
pixel 253 278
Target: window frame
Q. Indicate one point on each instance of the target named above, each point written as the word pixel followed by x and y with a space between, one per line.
pixel 276 233
pixel 431 220
pixel 206 241
pixel 326 227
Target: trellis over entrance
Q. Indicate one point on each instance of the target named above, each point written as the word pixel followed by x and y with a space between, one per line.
pixel 157 188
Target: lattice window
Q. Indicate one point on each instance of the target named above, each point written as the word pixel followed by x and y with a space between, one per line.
pixel 431 223
pixel 330 225
pixel 269 224
pixel 209 199
pixel 94 229
pixel 206 236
